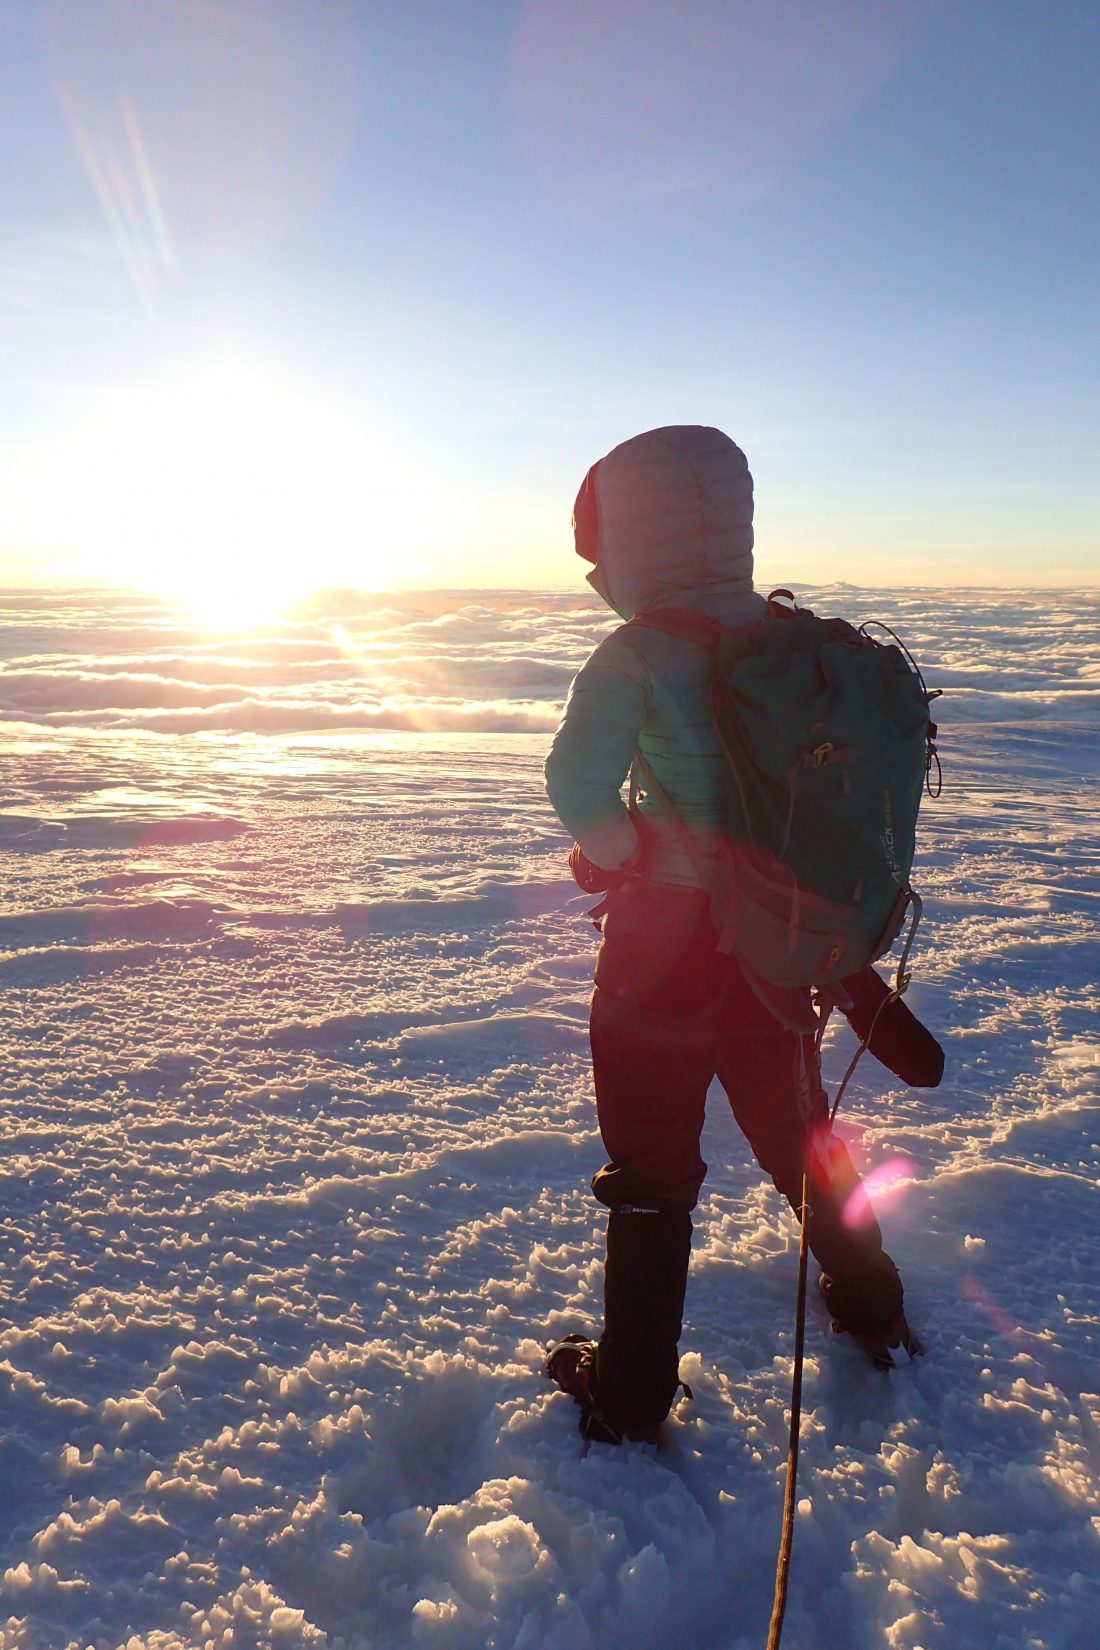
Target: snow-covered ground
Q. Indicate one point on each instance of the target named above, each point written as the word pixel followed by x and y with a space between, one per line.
pixel 296 1133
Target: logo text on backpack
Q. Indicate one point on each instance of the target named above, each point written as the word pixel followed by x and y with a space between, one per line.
pixel 889 851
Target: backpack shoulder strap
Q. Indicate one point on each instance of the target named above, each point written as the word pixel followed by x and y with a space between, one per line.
pixel 684 623
pixel 707 634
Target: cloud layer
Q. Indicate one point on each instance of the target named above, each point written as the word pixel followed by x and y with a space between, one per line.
pixel 484 662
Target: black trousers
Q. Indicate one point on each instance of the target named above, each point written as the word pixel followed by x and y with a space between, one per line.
pixel 669 1013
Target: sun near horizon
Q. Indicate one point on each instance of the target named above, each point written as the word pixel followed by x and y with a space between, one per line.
pixel 237 488
pixel 227 485
pixel 356 299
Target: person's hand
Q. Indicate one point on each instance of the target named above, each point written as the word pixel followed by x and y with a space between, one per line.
pixel 594 879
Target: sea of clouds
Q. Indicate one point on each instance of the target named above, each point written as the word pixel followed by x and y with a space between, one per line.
pixel 496 661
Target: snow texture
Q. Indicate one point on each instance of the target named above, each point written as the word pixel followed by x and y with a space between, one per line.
pixel 297 1126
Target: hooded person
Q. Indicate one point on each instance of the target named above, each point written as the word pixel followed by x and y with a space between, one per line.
pixel 666 520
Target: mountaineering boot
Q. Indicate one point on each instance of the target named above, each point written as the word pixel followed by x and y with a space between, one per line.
pixel 637 1358
pixel 889 1348
pixel 571 1364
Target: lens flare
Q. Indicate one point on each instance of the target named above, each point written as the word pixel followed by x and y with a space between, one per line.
pixel 886 1183
pixel 997 1316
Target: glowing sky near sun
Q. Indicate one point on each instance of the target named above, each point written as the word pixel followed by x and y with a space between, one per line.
pixel 354 294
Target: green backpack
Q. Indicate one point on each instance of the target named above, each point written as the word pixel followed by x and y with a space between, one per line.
pixel 830 746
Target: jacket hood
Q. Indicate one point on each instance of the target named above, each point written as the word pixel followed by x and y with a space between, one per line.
pixel 667 516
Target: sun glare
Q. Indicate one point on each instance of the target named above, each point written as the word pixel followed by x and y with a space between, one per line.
pixel 232 490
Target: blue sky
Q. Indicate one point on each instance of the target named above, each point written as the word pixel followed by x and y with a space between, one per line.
pixel 354 293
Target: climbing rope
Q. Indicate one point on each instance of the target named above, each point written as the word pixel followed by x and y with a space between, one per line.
pixel 786 1537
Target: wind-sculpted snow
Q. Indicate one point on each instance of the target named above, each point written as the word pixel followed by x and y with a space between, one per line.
pixel 296 1127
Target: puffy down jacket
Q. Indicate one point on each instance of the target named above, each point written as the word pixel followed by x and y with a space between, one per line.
pixel 667 518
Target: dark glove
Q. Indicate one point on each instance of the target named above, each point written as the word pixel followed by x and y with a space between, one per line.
pixel 899 1041
pixel 593 878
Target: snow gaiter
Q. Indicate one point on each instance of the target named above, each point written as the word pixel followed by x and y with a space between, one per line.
pixel 637 1362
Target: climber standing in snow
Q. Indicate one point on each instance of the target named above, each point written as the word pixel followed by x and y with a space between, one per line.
pixel 666 518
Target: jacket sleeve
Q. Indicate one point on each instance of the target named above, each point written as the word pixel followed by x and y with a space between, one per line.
pixel 592 752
